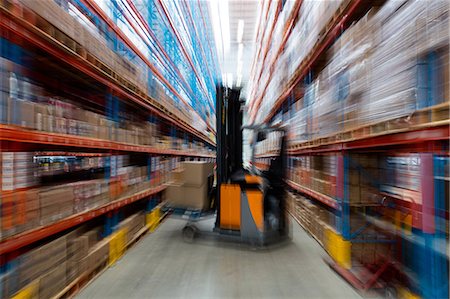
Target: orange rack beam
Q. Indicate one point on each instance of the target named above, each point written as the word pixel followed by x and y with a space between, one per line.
pixel 10 133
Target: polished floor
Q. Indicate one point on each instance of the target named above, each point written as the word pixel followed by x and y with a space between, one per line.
pixel 162 265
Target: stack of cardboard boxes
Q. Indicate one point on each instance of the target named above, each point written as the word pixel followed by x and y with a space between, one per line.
pixel 44 266
pixel 50 267
pixel 132 225
pixel 189 188
pixel 29 106
pixel 55 203
pixel 25 206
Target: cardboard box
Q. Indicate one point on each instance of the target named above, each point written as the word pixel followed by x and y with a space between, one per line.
pixel 196 197
pixel 178 176
pixel 192 197
pixel 53 281
pixel 97 255
pixel 174 195
pixel 92 237
pixel 196 172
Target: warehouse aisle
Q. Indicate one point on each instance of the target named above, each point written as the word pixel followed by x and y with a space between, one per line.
pixel 163 266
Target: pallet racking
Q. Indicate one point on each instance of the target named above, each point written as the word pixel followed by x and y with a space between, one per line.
pixel 343 183
pixel 118 65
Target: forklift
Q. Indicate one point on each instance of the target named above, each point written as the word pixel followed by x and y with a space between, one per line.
pixel 249 204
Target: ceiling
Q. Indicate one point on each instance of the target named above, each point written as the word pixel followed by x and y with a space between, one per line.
pixel 246 10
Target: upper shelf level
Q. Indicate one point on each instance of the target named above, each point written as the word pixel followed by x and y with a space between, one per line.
pixel 94 59
pixel 347 12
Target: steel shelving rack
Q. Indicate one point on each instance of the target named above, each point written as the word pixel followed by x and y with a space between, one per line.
pixel 422 224
pixel 181 79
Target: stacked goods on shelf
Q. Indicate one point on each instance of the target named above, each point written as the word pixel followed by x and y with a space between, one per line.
pixel 353 89
pixel 74 256
pixel 191 186
pixel 26 204
pixel 50 166
pixel 311 217
pixel 132 225
pixel 28 105
pixel 269 145
pixel 364 179
pixel 96 42
pixel 17 170
pixel 312 18
pixel 401 177
pixel 36 269
pixel 322 224
pixel 317 173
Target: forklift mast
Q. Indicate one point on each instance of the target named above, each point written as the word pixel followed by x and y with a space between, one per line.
pixel 229 136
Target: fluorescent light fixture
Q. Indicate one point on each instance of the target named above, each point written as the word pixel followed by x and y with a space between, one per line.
pixel 215 19
pixel 221 26
pixel 240 30
pixel 225 24
pixel 230 80
pixel 240 51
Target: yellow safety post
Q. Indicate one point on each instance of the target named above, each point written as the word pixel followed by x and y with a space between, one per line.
pixel 31 291
pixel 117 245
pixel 338 248
pixel 153 218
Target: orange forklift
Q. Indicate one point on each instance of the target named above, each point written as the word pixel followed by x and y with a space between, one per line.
pixel 249 203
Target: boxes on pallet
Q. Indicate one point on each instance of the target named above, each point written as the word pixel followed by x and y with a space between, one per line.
pixel 192 190
pixel 52 282
pixel 178 175
pixel 55 203
pixel 77 249
pixel 132 225
pixel 174 195
pixel 97 256
pixel 196 172
pixel 196 197
pixel 36 264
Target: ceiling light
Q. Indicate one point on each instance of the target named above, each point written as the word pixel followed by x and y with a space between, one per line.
pixel 240 30
pixel 240 52
pixel 215 19
pixel 225 24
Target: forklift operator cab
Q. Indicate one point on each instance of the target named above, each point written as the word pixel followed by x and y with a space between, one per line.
pixel 250 203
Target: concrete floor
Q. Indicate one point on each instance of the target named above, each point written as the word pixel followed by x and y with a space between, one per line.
pixel 161 265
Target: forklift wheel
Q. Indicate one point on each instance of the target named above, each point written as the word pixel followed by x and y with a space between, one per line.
pixel 189 233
